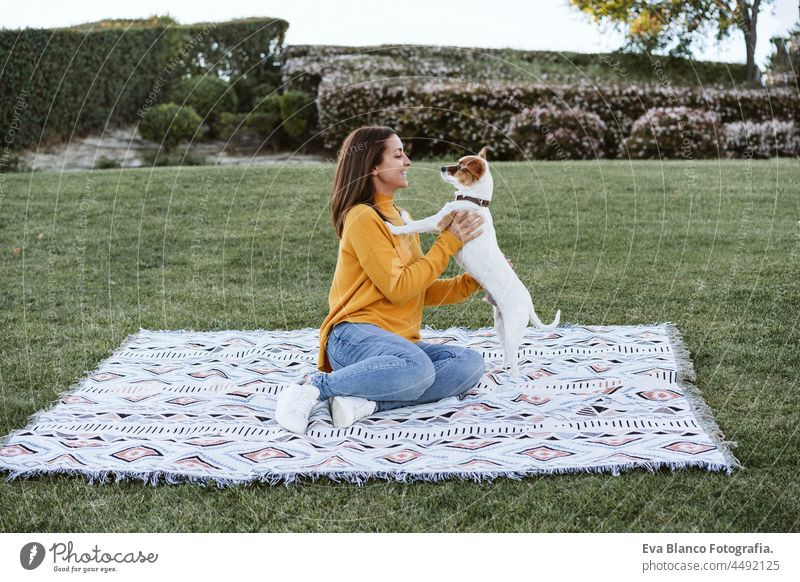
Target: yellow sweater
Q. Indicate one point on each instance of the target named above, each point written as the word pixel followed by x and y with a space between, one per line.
pixel 385 279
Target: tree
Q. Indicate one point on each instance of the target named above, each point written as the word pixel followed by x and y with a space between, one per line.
pixel 657 24
pixel 784 64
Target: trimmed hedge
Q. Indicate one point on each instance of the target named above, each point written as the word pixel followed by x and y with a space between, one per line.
pixel 447 118
pixel 305 66
pixel 447 100
pixel 762 140
pixel 675 132
pixel 57 83
pixel 548 133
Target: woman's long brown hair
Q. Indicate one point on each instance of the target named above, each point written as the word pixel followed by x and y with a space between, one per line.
pixel 361 151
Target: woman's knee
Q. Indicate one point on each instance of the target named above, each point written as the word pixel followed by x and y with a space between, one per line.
pixel 473 361
pixel 474 367
pixel 417 376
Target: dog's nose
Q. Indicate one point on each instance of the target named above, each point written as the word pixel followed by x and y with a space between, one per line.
pixel 444 168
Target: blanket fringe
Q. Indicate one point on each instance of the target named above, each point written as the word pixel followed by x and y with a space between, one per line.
pixel 154 478
pixel 703 413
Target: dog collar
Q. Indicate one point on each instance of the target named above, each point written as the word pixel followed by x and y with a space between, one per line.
pixel 477 201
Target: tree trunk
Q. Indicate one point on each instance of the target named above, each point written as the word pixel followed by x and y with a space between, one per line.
pixel 749 19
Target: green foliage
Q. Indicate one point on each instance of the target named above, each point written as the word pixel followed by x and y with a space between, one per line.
pixel 784 63
pixel 249 90
pixel 208 95
pixel 307 67
pixel 104 163
pixel 229 124
pixel 283 118
pixel 161 158
pixel 170 124
pixel 11 162
pixel 676 25
pixel 653 25
pixel 244 51
pixel 264 90
pixel 59 83
pixel 266 116
pixel 126 23
pixel 297 114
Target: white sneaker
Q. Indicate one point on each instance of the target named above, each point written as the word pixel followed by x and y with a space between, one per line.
pixel 294 406
pixel 346 410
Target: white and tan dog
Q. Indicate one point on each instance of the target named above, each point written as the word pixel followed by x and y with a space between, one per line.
pixel 482 258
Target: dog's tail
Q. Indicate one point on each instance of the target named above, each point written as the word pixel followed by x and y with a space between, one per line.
pixel 537 322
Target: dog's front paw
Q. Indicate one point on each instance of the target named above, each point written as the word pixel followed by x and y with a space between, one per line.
pixel 393 228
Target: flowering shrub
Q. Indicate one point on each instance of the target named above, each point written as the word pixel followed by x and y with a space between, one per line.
pixel 446 116
pixel 549 133
pixel 674 132
pixel 762 140
pixel 445 99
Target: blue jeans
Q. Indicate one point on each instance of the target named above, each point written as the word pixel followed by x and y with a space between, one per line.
pixel 372 363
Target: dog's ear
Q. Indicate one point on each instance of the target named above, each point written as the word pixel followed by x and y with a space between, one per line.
pixel 482 153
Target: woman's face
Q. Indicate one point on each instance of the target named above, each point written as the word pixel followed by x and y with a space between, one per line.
pixel 391 174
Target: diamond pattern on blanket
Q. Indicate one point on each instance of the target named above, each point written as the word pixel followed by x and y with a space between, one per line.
pixel 199 406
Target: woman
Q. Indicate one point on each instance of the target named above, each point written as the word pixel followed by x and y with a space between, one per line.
pixel 371 358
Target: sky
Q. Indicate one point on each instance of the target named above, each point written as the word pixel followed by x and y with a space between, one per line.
pixel 518 24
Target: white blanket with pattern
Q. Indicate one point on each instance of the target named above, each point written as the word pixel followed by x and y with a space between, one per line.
pixel 199 406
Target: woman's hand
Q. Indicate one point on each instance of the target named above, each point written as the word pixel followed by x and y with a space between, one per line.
pixel 464 224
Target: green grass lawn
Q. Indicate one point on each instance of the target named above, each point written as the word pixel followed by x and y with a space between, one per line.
pixel 711 246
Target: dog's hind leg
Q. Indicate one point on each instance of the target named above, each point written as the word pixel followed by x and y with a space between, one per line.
pixel 501 334
pixel 513 332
